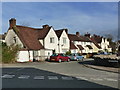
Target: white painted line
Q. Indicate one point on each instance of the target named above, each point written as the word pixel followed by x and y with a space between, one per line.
pixel 39 77
pixel 52 77
pixel 110 79
pixel 81 78
pixel 96 79
pixel 23 76
pixel 67 78
pixel 7 76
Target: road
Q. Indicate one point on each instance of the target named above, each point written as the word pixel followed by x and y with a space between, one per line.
pixel 56 75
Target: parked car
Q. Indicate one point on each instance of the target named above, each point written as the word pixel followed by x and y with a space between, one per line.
pixel 59 58
pixel 75 56
pixel 103 53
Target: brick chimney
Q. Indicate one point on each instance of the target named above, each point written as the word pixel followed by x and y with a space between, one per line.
pixel 78 34
pixel 66 30
pixel 45 26
pixel 87 35
pixel 12 22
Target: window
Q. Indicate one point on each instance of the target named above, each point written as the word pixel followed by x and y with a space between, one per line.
pixel 64 40
pixel 14 39
pixel 52 40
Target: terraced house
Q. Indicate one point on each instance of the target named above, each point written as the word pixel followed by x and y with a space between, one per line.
pixel 36 43
pixel 40 43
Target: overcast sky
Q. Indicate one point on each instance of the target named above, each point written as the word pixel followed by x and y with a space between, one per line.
pixel 93 17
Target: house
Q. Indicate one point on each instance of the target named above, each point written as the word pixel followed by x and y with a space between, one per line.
pixel 96 47
pixel 102 42
pixel 35 43
pixel 63 40
pixel 82 43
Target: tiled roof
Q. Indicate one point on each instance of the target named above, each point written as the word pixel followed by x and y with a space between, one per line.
pixel 90 47
pixel 72 46
pixel 98 39
pixel 59 32
pixel 96 44
pixel 74 37
pixel 80 47
pixel 29 36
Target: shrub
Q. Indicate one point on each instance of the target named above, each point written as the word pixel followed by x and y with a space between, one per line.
pixel 68 53
pixel 9 53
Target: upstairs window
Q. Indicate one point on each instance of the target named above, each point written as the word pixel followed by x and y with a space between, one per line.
pixel 64 40
pixel 52 40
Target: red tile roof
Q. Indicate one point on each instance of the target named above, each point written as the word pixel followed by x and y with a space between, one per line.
pixel 74 37
pixel 30 36
pixel 72 46
pixel 59 32
pixel 80 47
pixel 96 38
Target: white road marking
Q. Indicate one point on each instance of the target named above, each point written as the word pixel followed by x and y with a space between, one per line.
pixel 23 76
pixel 96 79
pixel 110 79
pixel 7 76
pixel 39 77
pixel 67 78
pixel 52 77
pixel 81 78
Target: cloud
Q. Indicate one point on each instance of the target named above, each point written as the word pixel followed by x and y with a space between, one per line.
pixel 82 17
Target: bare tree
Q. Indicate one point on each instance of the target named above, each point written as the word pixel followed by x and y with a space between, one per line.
pixel 25 23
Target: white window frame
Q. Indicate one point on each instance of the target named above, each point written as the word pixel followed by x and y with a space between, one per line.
pixel 52 39
pixel 64 40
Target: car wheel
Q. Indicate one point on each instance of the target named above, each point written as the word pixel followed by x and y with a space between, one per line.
pixel 68 60
pixel 60 61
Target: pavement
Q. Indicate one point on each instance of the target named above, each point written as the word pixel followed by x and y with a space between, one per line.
pixel 90 63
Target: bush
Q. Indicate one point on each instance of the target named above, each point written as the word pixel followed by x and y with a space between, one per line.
pixel 9 53
pixel 68 53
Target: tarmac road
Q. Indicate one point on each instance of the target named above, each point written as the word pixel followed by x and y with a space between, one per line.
pixel 56 75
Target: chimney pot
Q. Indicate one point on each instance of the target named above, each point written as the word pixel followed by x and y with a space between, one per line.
pixel 12 22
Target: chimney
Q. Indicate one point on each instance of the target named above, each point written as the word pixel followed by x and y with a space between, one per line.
pixel 66 30
pixel 12 22
pixel 78 34
pixel 87 34
pixel 45 26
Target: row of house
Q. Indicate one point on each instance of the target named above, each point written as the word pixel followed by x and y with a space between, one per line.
pixel 40 43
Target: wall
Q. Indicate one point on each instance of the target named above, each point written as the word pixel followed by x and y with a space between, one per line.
pixel 47 43
pixel 9 39
pixel 74 51
pixel 23 56
pixel 64 47
pixel 83 44
pixel 41 41
pixel 95 49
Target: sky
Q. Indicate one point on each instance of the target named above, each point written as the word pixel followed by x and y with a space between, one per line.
pixel 94 17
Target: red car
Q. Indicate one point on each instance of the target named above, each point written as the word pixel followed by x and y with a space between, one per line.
pixel 59 58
